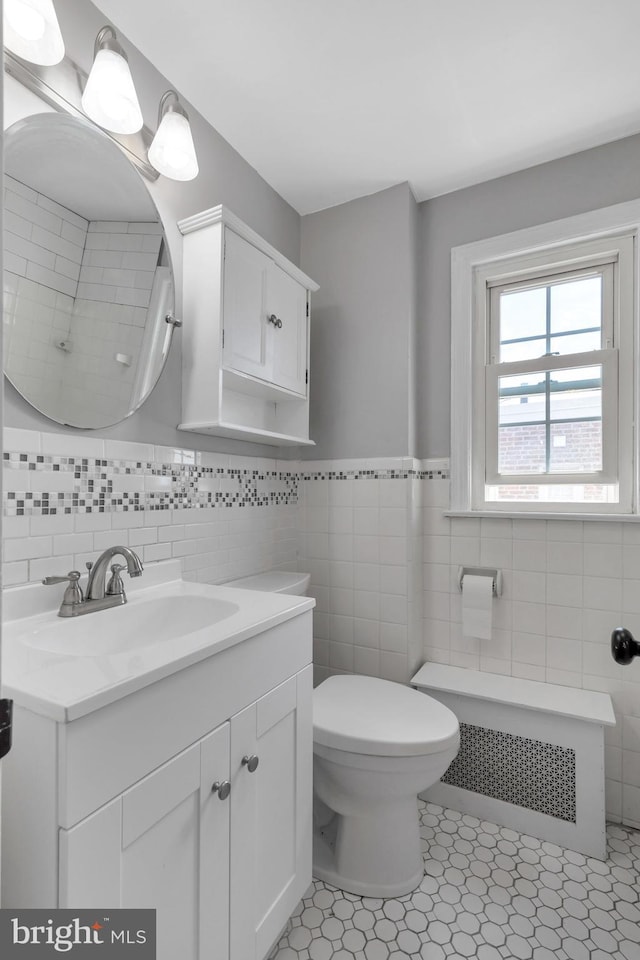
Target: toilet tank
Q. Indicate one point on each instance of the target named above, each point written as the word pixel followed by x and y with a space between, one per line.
pixel 274 581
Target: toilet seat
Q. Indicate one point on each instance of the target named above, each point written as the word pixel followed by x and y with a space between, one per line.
pixel 376 717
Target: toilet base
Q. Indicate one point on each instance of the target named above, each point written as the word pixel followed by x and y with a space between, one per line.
pixel 335 859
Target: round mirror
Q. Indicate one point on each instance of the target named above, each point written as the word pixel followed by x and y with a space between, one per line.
pixel 87 278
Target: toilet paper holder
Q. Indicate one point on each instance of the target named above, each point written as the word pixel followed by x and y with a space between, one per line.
pixel 496 577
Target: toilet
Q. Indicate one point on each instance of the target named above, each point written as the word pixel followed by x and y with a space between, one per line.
pixel 377 744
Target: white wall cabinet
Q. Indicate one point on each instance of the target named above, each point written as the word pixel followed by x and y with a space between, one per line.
pixel 223 868
pixel 245 336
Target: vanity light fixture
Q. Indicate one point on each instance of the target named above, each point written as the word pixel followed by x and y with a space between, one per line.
pixel 31 31
pixel 109 97
pixel 172 152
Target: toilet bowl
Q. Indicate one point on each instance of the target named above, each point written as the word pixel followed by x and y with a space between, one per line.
pixel 377 744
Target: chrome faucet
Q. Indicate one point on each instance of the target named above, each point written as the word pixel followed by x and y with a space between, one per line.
pixel 100 594
pixel 97 586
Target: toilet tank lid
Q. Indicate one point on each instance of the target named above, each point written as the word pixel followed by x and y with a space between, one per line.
pixel 380 718
pixel 274 581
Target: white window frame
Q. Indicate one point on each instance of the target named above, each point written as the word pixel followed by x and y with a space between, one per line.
pixel 550 248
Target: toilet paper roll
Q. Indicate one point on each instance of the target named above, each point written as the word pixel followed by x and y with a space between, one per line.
pixel 477 599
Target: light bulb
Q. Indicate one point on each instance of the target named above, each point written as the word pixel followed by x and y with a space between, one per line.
pixel 31 31
pixel 109 97
pixel 172 152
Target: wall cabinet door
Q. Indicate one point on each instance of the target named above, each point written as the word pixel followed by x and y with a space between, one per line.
pixel 265 318
pixel 244 326
pixel 162 844
pixel 270 815
pixel 287 342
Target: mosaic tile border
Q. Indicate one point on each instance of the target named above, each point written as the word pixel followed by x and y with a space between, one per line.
pixel 377 474
pixel 98 485
pixel 528 773
pixel 95 486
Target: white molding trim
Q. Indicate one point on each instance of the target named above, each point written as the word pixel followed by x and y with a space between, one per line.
pixel 222 214
pixel 464 260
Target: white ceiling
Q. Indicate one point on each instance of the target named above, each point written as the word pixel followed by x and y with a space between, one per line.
pixel 335 99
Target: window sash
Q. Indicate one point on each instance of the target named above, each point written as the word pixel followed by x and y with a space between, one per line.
pixel 604 269
pixel 608 360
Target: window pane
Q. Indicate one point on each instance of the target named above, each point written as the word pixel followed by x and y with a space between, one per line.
pixel 575 404
pixel 542 493
pixel 576 447
pixel 576 342
pixel 577 305
pixel 523 313
pixel 522 449
pixel 521 398
pixel 523 350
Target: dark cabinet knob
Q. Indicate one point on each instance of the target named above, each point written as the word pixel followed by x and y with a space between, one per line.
pixel 251 763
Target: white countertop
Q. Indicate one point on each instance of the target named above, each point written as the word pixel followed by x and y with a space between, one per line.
pixel 66 687
pixel 589 705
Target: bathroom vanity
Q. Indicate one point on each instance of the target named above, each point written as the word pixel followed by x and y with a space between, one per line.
pixel 172 773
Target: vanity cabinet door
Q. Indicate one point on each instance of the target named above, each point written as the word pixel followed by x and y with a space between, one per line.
pixel 163 844
pixel 245 325
pixel 286 299
pixel 270 815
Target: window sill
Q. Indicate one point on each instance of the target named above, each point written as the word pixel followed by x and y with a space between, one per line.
pixel 541 515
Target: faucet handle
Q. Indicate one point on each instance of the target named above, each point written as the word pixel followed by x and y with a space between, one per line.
pixel 73 576
pixel 115 587
pixel 73 594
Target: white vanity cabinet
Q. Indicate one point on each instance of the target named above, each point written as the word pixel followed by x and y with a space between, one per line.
pixel 245 336
pixel 116 808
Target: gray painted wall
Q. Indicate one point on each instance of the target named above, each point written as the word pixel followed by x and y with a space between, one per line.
pixel 362 254
pixel 225 177
pixel 562 188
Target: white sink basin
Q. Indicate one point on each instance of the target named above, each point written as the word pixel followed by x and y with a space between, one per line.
pixel 130 627
pixel 65 668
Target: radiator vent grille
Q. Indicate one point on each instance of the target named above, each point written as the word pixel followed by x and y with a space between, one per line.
pixel 528 773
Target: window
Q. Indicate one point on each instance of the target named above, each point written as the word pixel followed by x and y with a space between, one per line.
pixel 548 425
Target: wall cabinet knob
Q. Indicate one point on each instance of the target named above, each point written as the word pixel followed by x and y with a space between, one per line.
pixel 251 762
pixel 276 321
pixel 222 789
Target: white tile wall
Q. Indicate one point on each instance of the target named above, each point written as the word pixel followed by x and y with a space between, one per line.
pixel 361 539
pixel 567 584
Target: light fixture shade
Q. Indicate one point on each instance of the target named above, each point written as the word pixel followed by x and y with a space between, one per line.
pixel 109 97
pixel 31 31
pixel 172 152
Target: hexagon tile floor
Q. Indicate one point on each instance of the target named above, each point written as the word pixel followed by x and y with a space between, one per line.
pixel 489 893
